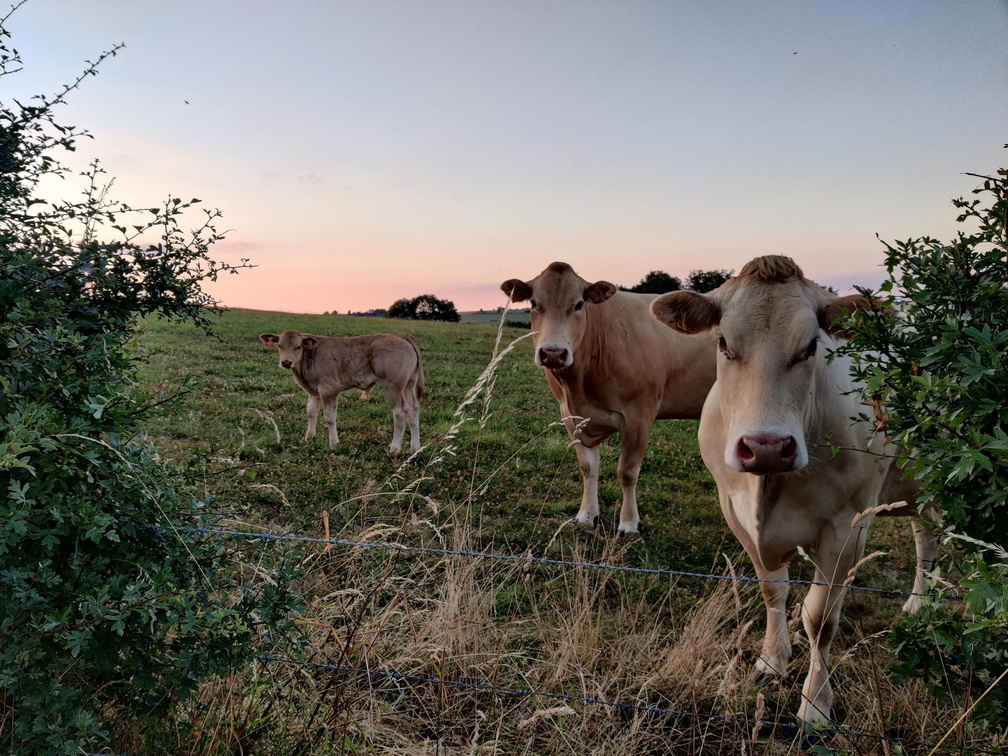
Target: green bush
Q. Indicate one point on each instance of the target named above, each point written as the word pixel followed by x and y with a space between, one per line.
pixel 103 618
pixel 933 354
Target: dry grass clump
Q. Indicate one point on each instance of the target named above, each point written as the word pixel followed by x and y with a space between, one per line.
pixel 435 653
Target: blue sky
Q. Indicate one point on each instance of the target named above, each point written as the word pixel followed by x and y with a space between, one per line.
pixel 365 151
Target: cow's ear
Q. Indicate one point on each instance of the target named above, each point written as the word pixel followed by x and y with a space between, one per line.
pixel 518 290
pixel 833 314
pixel 309 342
pixel 599 292
pixel 686 311
pixel 269 339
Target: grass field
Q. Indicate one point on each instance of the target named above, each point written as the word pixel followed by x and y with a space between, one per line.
pixel 497 475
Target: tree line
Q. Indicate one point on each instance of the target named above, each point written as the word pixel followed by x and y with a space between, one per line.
pixel 429 307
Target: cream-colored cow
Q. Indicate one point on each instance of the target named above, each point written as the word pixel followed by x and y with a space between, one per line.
pixel 325 366
pixel 609 362
pixel 790 464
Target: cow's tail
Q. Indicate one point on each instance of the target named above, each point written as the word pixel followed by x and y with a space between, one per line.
pixel 419 369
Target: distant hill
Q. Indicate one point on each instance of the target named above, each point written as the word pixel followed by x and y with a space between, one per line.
pixel 494 316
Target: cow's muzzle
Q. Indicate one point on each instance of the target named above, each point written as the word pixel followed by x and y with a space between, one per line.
pixel 286 364
pixel 766 453
pixel 553 357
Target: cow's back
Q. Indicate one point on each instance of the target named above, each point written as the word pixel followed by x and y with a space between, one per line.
pixel 633 358
pixel 338 363
pixel 395 358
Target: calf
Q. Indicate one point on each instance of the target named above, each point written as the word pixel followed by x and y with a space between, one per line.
pixel 793 470
pixel 324 366
pixel 613 369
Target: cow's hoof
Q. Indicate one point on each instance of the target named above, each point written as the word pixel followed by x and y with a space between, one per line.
pixel 588 522
pixel 765 673
pixel 816 736
pixel 912 605
pixel 628 530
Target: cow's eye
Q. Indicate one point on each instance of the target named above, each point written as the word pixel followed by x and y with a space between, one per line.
pixel 808 354
pixel 722 345
pixel 533 303
pixel 578 306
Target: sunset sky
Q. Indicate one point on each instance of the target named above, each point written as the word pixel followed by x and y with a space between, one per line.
pixel 367 151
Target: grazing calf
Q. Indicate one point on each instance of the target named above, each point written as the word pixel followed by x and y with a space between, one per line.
pixel 609 362
pixel 326 365
pixel 793 470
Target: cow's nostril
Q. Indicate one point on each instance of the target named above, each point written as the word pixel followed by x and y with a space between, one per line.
pixel 285 363
pixel 790 449
pixel 744 451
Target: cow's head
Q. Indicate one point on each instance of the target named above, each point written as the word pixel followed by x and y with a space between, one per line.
pixel 292 346
pixel 774 327
pixel 559 298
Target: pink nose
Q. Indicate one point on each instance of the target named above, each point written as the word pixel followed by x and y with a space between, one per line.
pixel 552 356
pixel 764 453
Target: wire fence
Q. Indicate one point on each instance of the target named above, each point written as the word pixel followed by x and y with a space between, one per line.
pixel 820 733
pixel 370 676
pixel 527 559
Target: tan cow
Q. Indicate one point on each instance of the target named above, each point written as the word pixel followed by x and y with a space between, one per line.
pixel 610 363
pixel 791 467
pixel 324 366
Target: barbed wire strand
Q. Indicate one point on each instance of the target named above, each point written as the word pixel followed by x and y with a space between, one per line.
pixel 820 731
pixel 528 559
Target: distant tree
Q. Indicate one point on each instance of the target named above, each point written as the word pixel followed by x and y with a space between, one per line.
pixel 373 313
pixel 706 280
pixel 424 307
pixel 657 282
pixel 403 309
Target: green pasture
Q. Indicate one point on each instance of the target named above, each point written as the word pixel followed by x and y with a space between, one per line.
pixel 496 474
pixel 509 464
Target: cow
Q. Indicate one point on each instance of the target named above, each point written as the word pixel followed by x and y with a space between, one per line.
pixel 613 369
pixel 324 366
pixel 794 469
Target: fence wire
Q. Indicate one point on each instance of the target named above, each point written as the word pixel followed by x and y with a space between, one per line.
pixel 822 733
pixel 524 559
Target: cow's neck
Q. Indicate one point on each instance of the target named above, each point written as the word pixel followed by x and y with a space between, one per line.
pixel 300 370
pixel 775 526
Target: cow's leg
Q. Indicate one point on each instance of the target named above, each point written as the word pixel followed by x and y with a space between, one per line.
pixel 314 405
pixel 776 651
pixel 413 417
pixel 398 402
pixel 633 444
pixel 835 557
pixel 926 547
pixel 588 460
pixel 329 416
